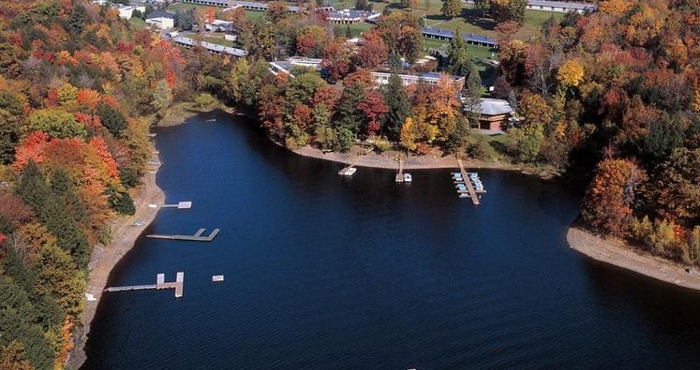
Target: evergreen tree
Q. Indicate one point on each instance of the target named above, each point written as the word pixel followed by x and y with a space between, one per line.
pixel 112 119
pixel 472 88
pixel 458 61
pixel 399 106
pixel 349 117
pixel 348 32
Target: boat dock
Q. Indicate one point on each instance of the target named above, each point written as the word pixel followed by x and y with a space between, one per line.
pixel 178 285
pixel 347 171
pixel 468 190
pixel 179 205
pixel 197 237
pixel 399 174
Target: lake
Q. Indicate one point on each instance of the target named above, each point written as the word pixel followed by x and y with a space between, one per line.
pixel 323 272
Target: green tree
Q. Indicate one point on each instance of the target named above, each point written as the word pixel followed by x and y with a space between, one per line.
pixel 451 8
pixel 349 117
pixel 162 97
pixel 112 119
pixel 55 123
pixel 458 61
pixel 11 114
pixel 399 107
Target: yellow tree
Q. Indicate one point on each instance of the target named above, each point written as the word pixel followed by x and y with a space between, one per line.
pixel 408 134
pixel 570 74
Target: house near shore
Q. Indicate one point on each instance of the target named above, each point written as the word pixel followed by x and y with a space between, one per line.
pixel 494 114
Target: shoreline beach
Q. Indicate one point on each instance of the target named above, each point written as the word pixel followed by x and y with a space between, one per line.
pixel 617 253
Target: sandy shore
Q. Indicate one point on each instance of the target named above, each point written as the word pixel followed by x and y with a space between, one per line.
pixel 388 160
pixel 124 236
pixel 615 252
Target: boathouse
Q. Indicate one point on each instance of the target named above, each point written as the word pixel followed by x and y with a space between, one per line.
pixel 493 113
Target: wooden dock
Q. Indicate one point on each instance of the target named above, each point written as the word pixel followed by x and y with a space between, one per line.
pixel 467 181
pixel 197 237
pixel 399 174
pixel 178 285
pixel 179 205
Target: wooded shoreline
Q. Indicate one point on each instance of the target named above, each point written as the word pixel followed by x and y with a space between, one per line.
pixel 104 259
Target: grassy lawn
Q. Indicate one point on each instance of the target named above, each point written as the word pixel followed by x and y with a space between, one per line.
pixel 137 23
pixel 219 40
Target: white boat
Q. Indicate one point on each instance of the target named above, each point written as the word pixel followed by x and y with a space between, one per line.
pixel 350 171
pixel 407 177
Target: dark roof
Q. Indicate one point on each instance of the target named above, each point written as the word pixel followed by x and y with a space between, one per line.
pixel 469 37
pixel 160 14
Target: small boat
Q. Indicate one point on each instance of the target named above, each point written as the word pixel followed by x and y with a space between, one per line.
pixel 211 120
pixel 350 171
pixel 407 177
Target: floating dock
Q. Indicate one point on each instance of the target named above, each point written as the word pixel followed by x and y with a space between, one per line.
pixel 179 205
pixel 178 285
pixel 470 190
pixel 217 278
pixel 197 237
pixel 348 171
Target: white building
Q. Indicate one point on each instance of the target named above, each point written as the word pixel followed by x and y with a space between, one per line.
pixel 382 78
pixel 159 19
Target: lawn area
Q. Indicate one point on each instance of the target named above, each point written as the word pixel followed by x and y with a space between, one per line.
pixel 137 23
pixel 356 29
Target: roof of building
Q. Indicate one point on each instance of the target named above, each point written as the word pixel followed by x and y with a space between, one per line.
pixel 351 14
pixel 469 37
pixel 160 14
pixel 494 107
pixel 562 4
pixel 211 47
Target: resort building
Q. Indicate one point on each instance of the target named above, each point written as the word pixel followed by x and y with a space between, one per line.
pixel 493 113
pixel 285 66
pixel 556 6
pixel 224 3
pixel 126 12
pixel 470 38
pixel 160 19
pixel 560 6
pixel 212 48
pixel 350 16
pixel 382 78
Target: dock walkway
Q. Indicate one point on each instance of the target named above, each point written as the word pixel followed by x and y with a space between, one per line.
pixel 178 285
pixel 470 187
pixel 197 237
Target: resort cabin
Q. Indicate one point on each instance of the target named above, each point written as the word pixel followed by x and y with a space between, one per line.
pixel 493 114
pixel 382 78
pixel 350 16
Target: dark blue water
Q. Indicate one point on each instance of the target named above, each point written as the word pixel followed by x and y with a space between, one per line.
pixel 329 273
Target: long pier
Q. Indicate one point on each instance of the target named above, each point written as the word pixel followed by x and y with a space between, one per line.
pixel 197 237
pixel 399 174
pixel 178 285
pixel 467 181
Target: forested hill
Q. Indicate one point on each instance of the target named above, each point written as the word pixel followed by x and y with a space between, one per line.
pixel 75 81
pixel 618 91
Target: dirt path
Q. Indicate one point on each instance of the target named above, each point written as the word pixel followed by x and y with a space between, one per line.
pixel 124 235
pixel 617 253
